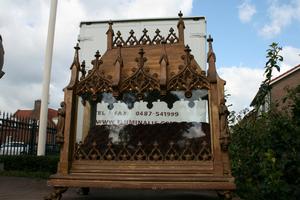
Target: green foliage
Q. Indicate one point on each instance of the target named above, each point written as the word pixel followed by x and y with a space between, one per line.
pixel 265 154
pixel 27 163
pixel 273 59
pixel 265 150
pixel 294 96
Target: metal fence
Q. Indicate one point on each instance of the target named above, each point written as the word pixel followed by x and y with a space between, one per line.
pixel 19 135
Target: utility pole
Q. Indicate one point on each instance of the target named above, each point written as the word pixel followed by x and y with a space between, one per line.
pixel 1 58
pixel 46 80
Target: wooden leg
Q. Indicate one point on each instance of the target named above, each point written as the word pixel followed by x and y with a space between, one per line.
pixel 225 195
pixel 56 194
pixel 83 191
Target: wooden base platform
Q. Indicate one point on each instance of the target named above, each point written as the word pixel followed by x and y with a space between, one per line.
pixel 141 175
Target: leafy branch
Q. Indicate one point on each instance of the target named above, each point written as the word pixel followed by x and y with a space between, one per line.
pixel 274 58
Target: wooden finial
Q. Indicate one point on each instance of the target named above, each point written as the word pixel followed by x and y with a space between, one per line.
pixel 187 49
pixel 181 27
pixel 211 54
pixel 77 47
pixel 211 60
pixel 187 57
pixel 164 62
pixel 210 41
pixel 97 55
pixel 110 35
pixel 75 67
pixel 76 55
pixel 180 14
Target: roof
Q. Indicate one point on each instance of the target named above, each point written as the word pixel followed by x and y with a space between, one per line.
pixel 151 53
pixel 275 80
pixel 195 18
pixel 52 113
pixel 285 74
pixel 31 115
pixel 23 113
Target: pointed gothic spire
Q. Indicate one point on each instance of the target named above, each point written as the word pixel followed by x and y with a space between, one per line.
pixel 110 35
pixel 211 60
pixel 210 41
pixel 164 62
pixel 164 55
pixel 76 56
pixel 119 54
pixel 118 65
pixel 75 67
pixel 181 27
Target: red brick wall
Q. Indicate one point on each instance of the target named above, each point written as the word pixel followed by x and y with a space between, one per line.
pixel 278 91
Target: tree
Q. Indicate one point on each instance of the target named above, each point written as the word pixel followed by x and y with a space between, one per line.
pixel 265 151
pixel 274 58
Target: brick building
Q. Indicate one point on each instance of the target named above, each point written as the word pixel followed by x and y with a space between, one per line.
pixel 35 113
pixel 22 128
pixel 279 86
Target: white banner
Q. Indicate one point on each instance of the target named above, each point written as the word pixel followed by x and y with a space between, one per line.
pixel 158 114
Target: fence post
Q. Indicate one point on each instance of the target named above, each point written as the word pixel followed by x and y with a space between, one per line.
pixel 32 137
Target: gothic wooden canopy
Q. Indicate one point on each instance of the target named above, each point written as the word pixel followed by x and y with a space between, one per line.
pixel 142 66
pixel 139 65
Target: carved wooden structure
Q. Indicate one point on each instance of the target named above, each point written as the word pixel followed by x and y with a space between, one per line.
pixel 142 66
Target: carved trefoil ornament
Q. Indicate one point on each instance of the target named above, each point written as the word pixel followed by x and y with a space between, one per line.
pixel 140 81
pixel 95 82
pixel 188 78
pixel 141 153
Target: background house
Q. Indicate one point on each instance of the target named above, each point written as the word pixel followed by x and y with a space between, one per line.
pixel 19 132
pixel 279 87
pixel 35 113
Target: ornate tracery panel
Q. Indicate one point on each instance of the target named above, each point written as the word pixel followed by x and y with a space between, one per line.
pixel 169 128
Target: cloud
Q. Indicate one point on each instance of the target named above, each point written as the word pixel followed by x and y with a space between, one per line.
pixel 281 16
pixel 291 55
pixel 23 26
pixel 246 11
pixel 242 82
pixel 291 58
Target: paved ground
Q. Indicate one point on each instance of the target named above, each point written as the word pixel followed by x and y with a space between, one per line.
pixel 16 188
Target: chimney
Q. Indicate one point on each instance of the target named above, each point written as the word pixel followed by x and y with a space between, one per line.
pixel 36 109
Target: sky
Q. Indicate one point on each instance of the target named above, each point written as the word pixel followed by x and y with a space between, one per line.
pixel 242 31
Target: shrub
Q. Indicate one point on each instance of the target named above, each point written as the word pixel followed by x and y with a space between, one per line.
pixel 28 163
pixel 265 154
